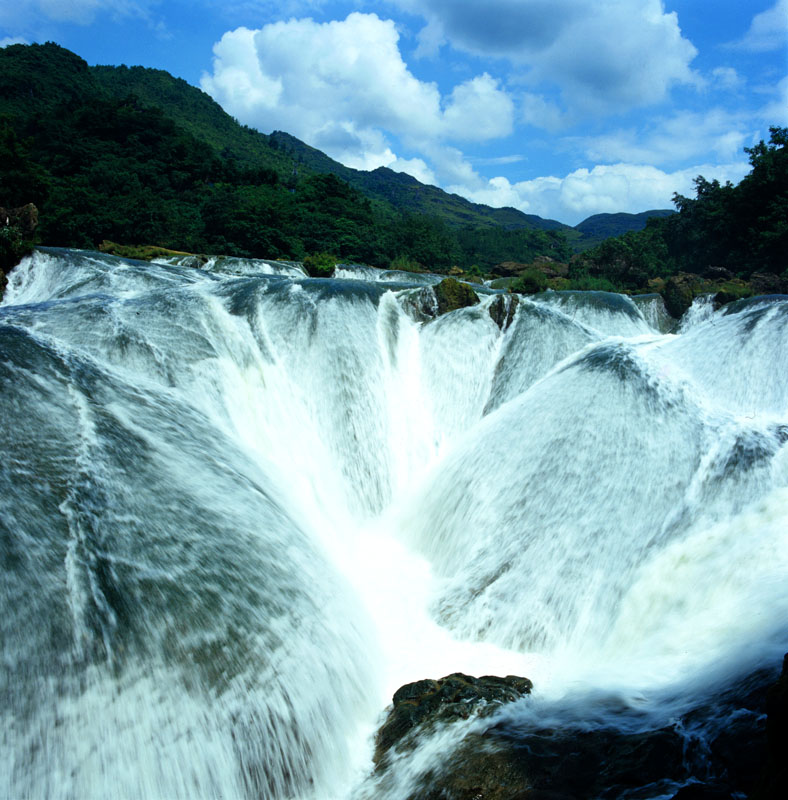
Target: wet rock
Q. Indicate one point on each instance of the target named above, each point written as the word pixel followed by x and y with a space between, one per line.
pixel 451 295
pixel 678 294
pixel 24 218
pixel 457 696
pixel 717 273
pixel 774 781
pixel 767 283
pixel 17 226
pixel 714 752
pixel 702 791
pixel 503 309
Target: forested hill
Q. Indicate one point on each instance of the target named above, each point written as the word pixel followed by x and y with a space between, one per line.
pixel 201 116
pixel 137 156
pixel 599 227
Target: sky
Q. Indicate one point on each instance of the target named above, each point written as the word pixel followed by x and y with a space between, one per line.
pixel 561 108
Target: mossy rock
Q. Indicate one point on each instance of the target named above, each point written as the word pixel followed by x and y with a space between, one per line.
pixel 451 295
pixel 425 703
pixel 503 309
pixel 142 252
pixel 320 265
pixel 731 291
pixel 678 295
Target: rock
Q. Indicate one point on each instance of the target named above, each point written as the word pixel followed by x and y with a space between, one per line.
pixel 457 696
pixel 503 309
pixel 717 274
pixel 508 269
pixel 702 791
pixel 451 295
pixel 716 750
pixel 678 294
pixel 24 218
pixel 774 781
pixel 16 230
pixel 767 283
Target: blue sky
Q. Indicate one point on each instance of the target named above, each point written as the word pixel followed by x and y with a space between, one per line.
pixel 562 108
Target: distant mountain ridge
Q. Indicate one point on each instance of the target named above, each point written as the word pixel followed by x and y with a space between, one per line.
pixel 47 85
pixel 198 113
pixel 599 227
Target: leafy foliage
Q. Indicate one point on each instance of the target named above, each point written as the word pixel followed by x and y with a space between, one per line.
pixel 740 229
pixel 133 155
pixel 320 265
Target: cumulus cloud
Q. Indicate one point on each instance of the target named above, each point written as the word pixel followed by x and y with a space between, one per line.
pixel 685 135
pixel 768 30
pixel 343 85
pixel 605 188
pixel 604 56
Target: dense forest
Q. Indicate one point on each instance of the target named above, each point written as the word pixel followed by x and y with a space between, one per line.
pixel 102 163
pixel 725 231
pixel 135 156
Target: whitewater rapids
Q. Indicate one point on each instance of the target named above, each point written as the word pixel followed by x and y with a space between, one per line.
pixel 240 507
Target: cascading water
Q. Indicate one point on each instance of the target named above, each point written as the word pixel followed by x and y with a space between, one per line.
pixel 240 507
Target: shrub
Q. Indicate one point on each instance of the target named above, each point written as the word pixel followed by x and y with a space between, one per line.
pixel 530 282
pixel 320 265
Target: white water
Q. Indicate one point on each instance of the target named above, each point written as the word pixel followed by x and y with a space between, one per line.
pixel 240 508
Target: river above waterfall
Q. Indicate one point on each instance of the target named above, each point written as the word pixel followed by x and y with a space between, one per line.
pixel 241 507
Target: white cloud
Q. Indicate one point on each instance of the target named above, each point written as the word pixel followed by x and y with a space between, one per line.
pixel 542 113
pixel 768 30
pixel 726 78
pixel 685 135
pixel 775 112
pixel 12 40
pixel 25 15
pixel 478 110
pixel 605 188
pixel 415 167
pixel 604 56
pixel 343 86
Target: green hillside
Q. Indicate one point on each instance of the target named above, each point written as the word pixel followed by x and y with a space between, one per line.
pixel 134 155
pixel 598 227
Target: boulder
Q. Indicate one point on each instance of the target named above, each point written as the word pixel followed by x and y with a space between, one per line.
pixel 24 218
pixel 16 231
pixel 425 703
pixel 768 283
pixel 714 752
pixel 503 309
pixel 774 781
pixel 451 295
pixel 678 294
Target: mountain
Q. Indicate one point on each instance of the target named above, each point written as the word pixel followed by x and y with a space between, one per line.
pixel 133 155
pixel 599 227
pixel 197 113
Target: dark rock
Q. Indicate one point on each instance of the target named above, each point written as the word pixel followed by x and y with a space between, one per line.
pixel 16 231
pixel 451 295
pixel 717 273
pixel 703 791
pixel 716 749
pixel 24 218
pixel 508 269
pixel 454 697
pixel 678 294
pixel 767 283
pixel 774 781
pixel 503 308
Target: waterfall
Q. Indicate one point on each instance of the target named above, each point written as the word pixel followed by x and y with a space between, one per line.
pixel 241 506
